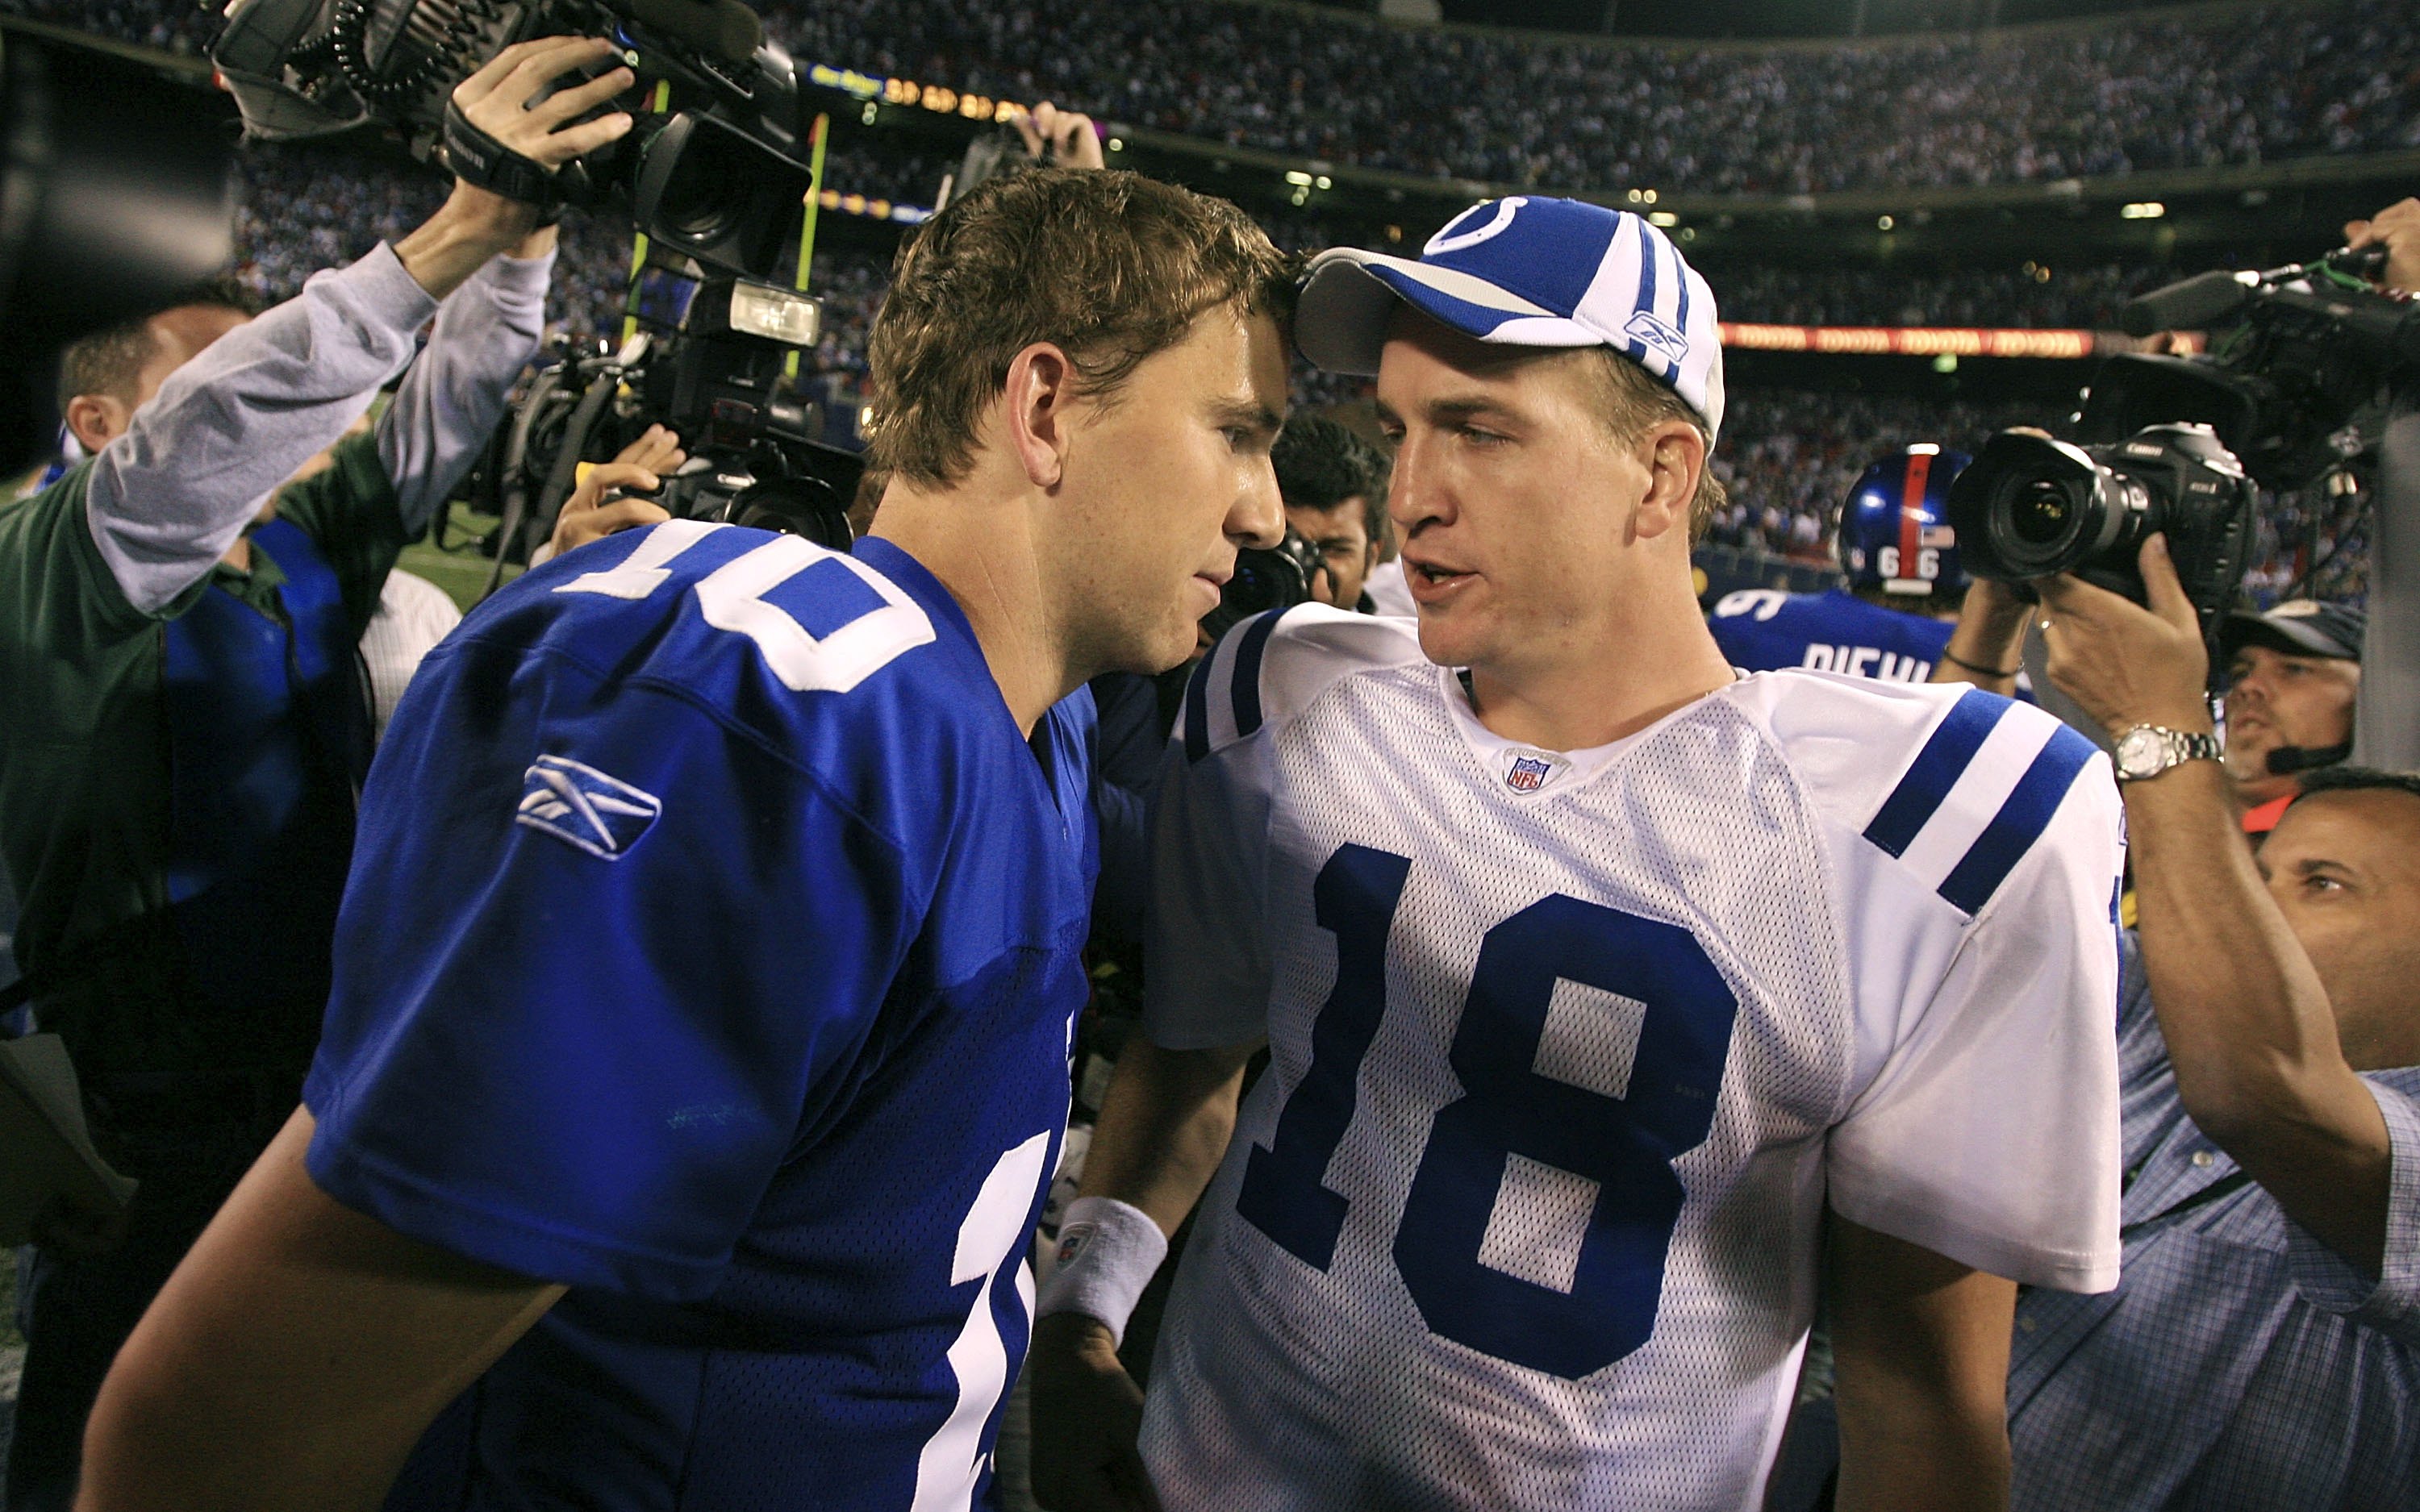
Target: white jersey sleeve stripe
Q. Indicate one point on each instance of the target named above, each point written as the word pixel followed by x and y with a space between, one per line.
pixel 1978 796
pixel 1936 770
pixel 1991 774
pixel 2019 822
pixel 1214 712
pixel 1222 702
pixel 1244 679
pixel 1197 710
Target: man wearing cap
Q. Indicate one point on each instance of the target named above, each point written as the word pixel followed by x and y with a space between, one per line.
pixel 2263 1351
pixel 1591 974
pixel 2292 676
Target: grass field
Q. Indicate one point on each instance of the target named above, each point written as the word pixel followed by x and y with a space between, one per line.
pixel 461 574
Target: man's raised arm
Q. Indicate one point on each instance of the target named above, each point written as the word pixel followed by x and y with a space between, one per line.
pixel 2248 1023
pixel 298 1333
pixel 170 497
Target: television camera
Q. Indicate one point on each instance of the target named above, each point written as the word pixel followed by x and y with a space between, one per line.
pixel 2292 396
pixel 712 178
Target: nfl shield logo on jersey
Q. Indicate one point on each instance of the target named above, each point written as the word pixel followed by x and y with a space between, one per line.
pixel 1530 770
pixel 572 801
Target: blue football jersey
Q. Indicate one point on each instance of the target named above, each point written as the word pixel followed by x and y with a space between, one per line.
pixel 1764 630
pixel 713 948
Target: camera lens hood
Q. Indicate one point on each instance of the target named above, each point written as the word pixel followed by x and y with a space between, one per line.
pixel 2029 506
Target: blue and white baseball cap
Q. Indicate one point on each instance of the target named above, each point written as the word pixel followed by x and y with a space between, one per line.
pixel 1528 272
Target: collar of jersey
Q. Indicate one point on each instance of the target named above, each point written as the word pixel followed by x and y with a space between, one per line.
pixel 953 632
pixel 1489 749
pixel 917 580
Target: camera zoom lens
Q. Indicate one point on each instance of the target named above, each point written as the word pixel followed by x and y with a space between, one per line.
pixel 694 204
pixel 2040 513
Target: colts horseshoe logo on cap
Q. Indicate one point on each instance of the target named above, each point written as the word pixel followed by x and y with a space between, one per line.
pixel 1450 239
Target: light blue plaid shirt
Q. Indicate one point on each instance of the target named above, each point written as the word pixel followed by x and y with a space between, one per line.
pixel 2240 1364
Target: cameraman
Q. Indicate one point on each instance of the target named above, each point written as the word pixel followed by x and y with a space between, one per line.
pixel 2262 1348
pixel 186 726
pixel 2390 695
pixel 2293 673
pixel 1334 485
pixel 2292 676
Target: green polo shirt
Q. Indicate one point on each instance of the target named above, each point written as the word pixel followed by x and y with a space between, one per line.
pixel 85 781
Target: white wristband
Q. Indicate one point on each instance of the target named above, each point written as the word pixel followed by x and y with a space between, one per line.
pixel 1108 1251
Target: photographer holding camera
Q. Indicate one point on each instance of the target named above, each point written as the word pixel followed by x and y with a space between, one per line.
pixel 2262 1348
pixel 2389 717
pixel 187 725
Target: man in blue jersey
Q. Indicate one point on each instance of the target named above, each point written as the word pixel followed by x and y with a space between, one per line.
pixel 1893 619
pixel 697 1056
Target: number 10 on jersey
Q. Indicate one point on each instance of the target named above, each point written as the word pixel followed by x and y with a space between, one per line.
pixel 1626 1144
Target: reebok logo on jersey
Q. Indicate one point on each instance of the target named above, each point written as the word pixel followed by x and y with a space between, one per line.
pixel 1532 769
pixel 603 815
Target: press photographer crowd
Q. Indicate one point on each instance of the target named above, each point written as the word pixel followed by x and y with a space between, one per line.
pixel 1210 754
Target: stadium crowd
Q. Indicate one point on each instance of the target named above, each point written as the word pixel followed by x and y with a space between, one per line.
pixel 2083 296
pixel 2138 93
pixel 1589 1076
pixel 2143 93
pixel 1788 455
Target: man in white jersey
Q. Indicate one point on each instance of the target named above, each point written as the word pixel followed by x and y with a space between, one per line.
pixel 1591 976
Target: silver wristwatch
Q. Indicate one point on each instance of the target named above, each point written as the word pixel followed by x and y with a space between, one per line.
pixel 2149 749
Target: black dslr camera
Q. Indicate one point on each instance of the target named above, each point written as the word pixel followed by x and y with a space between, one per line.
pixel 1269 578
pixel 711 169
pixel 2031 507
pixel 2294 393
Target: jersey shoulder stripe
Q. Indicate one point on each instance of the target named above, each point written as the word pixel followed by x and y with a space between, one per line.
pixel 1252 644
pixel 1197 709
pixel 1954 784
pixel 1980 790
pixel 1937 766
pixel 2022 819
pixel 1273 666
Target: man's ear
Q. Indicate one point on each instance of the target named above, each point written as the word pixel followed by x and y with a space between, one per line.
pixel 1035 406
pixel 95 420
pixel 1675 453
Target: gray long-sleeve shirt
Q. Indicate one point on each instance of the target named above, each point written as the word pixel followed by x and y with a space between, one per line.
pixel 95 569
pixel 169 497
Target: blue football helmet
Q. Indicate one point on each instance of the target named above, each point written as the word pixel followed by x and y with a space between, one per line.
pixel 1894 533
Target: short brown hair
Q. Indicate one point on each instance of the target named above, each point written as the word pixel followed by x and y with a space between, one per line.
pixel 110 360
pixel 1638 399
pixel 1109 266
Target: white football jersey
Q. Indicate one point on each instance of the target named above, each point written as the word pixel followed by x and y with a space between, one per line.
pixel 1569 1051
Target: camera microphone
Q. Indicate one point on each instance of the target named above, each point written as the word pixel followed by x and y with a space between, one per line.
pixel 725 28
pixel 2368 264
pixel 2286 759
pixel 2185 307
